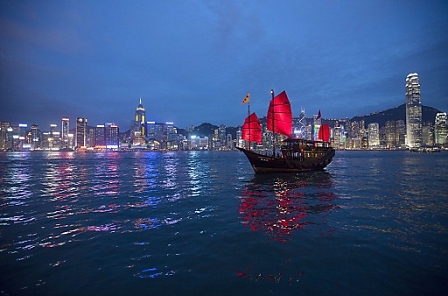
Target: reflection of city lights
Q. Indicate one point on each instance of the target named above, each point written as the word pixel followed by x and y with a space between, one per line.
pixel 280 206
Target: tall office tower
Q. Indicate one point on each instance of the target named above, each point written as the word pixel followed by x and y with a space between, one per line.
pixel 112 136
pixel 35 137
pixel 413 111
pixel 81 132
pixel 428 135
pixel 400 128
pixel 222 134
pixel 440 130
pixel 317 122
pixel 53 128
pixel 374 135
pixel 140 120
pixel 100 136
pixel 391 134
pixel 229 142
pixel 64 133
pixel 4 126
pixel 336 141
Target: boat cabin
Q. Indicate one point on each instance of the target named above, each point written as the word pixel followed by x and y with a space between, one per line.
pixel 300 148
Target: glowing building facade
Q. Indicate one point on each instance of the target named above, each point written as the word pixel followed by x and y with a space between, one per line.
pixel 140 120
pixel 81 132
pixel 440 130
pixel 374 135
pixel 413 111
pixel 64 133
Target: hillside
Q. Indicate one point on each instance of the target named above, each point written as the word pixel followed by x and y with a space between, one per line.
pixel 397 113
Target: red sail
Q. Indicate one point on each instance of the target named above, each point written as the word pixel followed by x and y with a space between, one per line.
pixel 324 132
pixel 279 119
pixel 252 129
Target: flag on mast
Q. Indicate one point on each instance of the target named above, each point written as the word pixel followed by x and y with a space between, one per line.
pixel 246 99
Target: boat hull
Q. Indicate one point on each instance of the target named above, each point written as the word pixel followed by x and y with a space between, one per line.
pixel 268 164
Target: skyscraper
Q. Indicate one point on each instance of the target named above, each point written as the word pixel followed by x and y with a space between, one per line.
pixel 374 135
pixel 35 137
pixel 100 136
pixel 440 130
pixel 112 136
pixel 64 133
pixel 413 112
pixel 81 132
pixel 140 120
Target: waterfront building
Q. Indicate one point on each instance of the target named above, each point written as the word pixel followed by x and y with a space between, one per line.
pixel 81 133
pixel 229 142
pixel 355 135
pixel 198 143
pixel 336 141
pixel 222 135
pixel 440 129
pixel 428 135
pixel 90 141
pixel 139 127
pixel 413 111
pixel 54 137
pixel 390 134
pixel 45 140
pixel 374 135
pixel 100 136
pixel 400 129
pixel 317 122
pixel 239 139
pixel 35 138
pixel 4 143
pixel 65 129
pixel 112 136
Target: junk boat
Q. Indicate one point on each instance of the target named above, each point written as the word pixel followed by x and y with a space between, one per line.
pixel 289 155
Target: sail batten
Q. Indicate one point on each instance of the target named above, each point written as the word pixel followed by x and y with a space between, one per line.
pixel 251 130
pixel 279 118
pixel 324 132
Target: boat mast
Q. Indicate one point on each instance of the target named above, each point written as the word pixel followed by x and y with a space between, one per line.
pixel 248 116
pixel 273 128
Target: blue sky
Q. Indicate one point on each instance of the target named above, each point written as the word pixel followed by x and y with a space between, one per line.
pixel 194 61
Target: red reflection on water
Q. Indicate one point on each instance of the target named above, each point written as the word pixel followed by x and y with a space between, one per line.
pixel 279 205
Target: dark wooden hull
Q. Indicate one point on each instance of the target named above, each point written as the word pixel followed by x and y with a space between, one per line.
pixel 261 163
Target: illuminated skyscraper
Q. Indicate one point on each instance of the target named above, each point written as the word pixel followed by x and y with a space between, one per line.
pixel 81 132
pixel 112 136
pixel 35 137
pixel 440 130
pixel 100 136
pixel 140 120
pixel 4 127
pixel 64 133
pixel 413 111
pixel 374 135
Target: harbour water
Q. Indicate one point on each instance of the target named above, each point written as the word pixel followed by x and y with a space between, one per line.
pixel 201 223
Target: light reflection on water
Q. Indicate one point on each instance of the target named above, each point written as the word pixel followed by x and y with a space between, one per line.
pixel 281 203
pixel 204 219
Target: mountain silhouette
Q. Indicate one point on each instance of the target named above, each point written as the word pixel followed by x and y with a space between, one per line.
pixel 397 113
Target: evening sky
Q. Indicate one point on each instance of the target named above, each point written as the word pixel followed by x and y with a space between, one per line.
pixel 194 61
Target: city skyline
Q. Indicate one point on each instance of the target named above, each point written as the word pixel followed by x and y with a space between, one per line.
pixel 92 122
pixel 198 59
